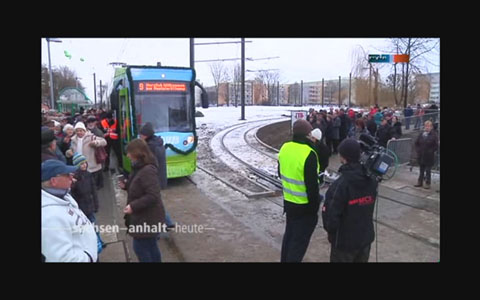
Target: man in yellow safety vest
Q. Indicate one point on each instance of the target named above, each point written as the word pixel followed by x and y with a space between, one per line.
pixel 298 168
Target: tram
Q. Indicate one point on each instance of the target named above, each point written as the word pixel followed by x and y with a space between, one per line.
pixel 165 97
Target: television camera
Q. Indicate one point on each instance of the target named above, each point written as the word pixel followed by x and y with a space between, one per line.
pixel 375 158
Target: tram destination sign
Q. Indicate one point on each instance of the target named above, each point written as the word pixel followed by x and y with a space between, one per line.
pixel 159 86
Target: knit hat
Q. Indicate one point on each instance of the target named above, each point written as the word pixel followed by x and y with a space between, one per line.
pixel 349 149
pixel 302 127
pixel 80 125
pixel 78 159
pixel 66 127
pixel 317 133
pixel 147 130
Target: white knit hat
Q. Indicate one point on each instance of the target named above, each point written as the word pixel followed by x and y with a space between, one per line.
pixel 67 126
pixel 317 133
pixel 80 125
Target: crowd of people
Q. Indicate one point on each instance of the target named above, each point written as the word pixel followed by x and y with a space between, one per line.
pixel 72 174
pixel 347 211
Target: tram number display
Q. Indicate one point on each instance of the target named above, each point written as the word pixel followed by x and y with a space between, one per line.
pixel 151 86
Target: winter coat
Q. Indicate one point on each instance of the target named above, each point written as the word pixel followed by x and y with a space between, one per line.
pixel 348 209
pixel 144 198
pixel 97 132
pixel 397 130
pixel 408 112
pixel 67 234
pixel 48 154
pixel 323 153
pixel 344 126
pixel 84 191
pixel 329 130
pixel 322 125
pixel 378 118
pixel 155 143
pixel 384 134
pixel 63 148
pixel 89 152
pixel 372 127
pixel 355 132
pixel 426 147
pixel 336 128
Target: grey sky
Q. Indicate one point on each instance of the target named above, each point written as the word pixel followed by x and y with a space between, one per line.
pixel 307 59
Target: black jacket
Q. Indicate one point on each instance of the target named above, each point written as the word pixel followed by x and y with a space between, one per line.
pixel 372 127
pixel 84 191
pixel 323 153
pixel 155 143
pixel 426 146
pixel 397 130
pixel 348 209
pixel 384 134
pixel 311 182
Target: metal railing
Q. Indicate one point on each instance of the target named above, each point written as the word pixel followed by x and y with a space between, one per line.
pixel 402 149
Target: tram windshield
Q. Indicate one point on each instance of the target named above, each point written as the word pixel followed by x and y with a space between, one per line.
pixel 168 106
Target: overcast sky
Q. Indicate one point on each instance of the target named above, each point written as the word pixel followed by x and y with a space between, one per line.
pixel 307 59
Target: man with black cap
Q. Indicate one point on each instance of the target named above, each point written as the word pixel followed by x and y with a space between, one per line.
pixel 298 167
pixel 92 126
pixel 348 209
pixel 49 149
pixel 67 234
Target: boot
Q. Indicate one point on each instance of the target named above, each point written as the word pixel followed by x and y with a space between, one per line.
pixel 427 186
pixel 419 184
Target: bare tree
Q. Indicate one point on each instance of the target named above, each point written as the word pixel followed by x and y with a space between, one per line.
pixel 237 78
pixel 363 70
pixel 219 74
pixel 269 78
pixel 417 49
pixel 63 77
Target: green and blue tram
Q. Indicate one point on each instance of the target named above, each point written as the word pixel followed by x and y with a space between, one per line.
pixel 165 97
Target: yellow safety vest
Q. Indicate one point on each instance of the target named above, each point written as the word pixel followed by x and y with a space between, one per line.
pixel 292 157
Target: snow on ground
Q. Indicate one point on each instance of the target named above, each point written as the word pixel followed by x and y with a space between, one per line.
pixel 221 117
pixel 217 119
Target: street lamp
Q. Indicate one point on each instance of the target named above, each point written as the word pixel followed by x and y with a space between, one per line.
pixel 76 81
pixel 50 69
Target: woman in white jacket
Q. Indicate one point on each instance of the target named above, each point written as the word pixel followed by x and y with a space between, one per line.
pixel 67 234
pixel 84 142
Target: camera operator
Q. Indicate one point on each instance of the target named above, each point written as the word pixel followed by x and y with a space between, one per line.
pixel 348 209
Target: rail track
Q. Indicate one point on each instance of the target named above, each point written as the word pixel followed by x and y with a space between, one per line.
pixel 263 169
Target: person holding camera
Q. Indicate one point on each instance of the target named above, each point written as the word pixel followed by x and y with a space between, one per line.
pixel 348 209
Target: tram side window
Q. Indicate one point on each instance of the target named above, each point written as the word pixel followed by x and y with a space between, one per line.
pixel 123 112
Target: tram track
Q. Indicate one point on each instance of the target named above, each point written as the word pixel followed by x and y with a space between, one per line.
pixel 264 178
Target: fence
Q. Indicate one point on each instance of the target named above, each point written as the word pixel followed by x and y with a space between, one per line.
pixel 402 149
pixel 418 122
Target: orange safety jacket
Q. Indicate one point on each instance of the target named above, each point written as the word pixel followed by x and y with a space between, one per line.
pixel 111 130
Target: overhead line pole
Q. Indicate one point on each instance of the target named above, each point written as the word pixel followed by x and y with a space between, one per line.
pixel 243 80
